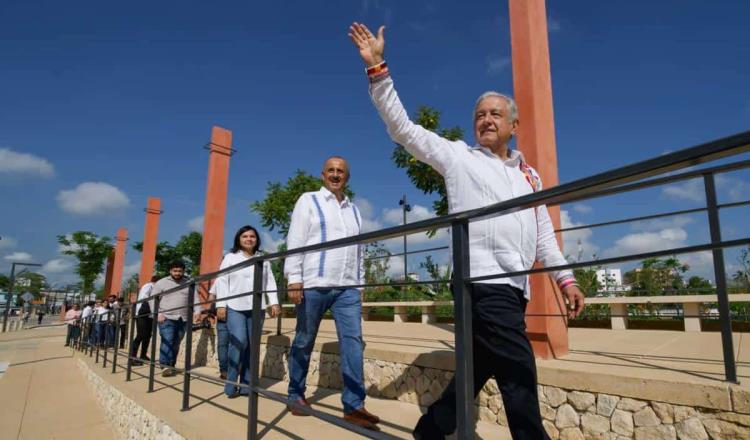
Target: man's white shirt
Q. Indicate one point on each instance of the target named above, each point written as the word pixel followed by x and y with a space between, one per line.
pixel 474 178
pixel 319 217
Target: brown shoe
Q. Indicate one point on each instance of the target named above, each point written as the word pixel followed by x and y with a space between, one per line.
pixel 368 415
pixel 296 412
pixel 359 418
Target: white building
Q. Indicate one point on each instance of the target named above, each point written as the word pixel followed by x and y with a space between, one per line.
pixel 610 280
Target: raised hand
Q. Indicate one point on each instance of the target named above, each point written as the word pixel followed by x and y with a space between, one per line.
pixel 371 48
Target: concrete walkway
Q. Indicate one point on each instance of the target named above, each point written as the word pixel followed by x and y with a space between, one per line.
pixel 43 394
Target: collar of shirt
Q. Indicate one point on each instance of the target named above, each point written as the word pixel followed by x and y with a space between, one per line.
pixel 516 157
pixel 329 195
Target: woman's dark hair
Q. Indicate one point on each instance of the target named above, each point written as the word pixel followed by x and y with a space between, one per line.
pixel 236 246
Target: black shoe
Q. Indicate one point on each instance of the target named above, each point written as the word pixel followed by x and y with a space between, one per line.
pixel 135 363
pixel 426 430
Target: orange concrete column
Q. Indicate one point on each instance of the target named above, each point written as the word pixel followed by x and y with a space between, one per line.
pixel 150 234
pixel 108 273
pixel 220 151
pixel 118 264
pixel 532 86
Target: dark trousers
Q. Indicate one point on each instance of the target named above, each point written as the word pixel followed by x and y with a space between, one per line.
pixel 143 327
pixel 123 335
pixel 502 350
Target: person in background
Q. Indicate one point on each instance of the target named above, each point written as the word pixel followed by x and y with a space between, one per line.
pixel 238 311
pixel 143 323
pixel 71 319
pixel 174 319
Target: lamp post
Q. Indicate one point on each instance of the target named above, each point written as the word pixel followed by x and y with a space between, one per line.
pixel 10 290
pixel 405 207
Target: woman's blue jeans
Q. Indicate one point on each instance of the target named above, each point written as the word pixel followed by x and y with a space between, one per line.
pixel 239 327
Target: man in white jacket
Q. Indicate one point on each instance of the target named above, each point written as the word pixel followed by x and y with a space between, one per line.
pixel 477 176
pixel 320 216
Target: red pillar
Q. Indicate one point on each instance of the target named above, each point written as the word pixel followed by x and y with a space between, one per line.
pixel 118 262
pixel 532 86
pixel 150 234
pixel 220 151
pixel 108 273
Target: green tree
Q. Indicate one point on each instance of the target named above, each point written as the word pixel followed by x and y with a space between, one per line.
pixel 91 251
pixel 188 248
pixel 423 176
pixel 31 282
pixel 699 285
pixel 433 269
pixel 657 276
pixel 4 282
pixel 741 277
pixel 276 209
pixel 165 254
pixel 587 280
pixel 376 263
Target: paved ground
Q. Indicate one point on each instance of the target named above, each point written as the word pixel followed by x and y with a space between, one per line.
pixel 42 392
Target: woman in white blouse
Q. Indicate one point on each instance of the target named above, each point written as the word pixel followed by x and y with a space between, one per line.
pixel 238 311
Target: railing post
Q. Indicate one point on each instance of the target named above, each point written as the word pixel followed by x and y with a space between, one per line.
pixel 106 338
pixel 730 369
pixel 255 334
pixel 89 333
pixel 188 349
pixel 463 328
pixel 116 342
pixel 130 344
pixel 282 296
pixel 96 334
pixel 152 363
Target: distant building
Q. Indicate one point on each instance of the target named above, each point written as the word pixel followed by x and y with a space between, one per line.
pixel 610 281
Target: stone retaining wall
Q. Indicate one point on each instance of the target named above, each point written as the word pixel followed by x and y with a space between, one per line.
pixel 129 420
pixel 568 414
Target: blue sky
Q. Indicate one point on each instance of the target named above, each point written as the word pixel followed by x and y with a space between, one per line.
pixel 103 105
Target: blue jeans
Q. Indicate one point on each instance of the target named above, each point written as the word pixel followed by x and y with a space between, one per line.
pixel 222 344
pixel 346 307
pixel 239 326
pixel 100 329
pixel 171 331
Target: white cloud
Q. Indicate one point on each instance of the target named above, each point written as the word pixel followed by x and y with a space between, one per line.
pixel 130 269
pixel 18 256
pixel 7 242
pixel 648 242
pixel 269 243
pixel 14 163
pixel 58 265
pixel 736 188
pixel 577 244
pixel 582 209
pixel 73 246
pixel 497 64
pixel 369 221
pixel 92 198
pixel 196 224
pixel 691 190
pixel 662 223
pixel 694 190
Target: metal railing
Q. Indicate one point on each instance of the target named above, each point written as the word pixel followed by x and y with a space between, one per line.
pixel 619 180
